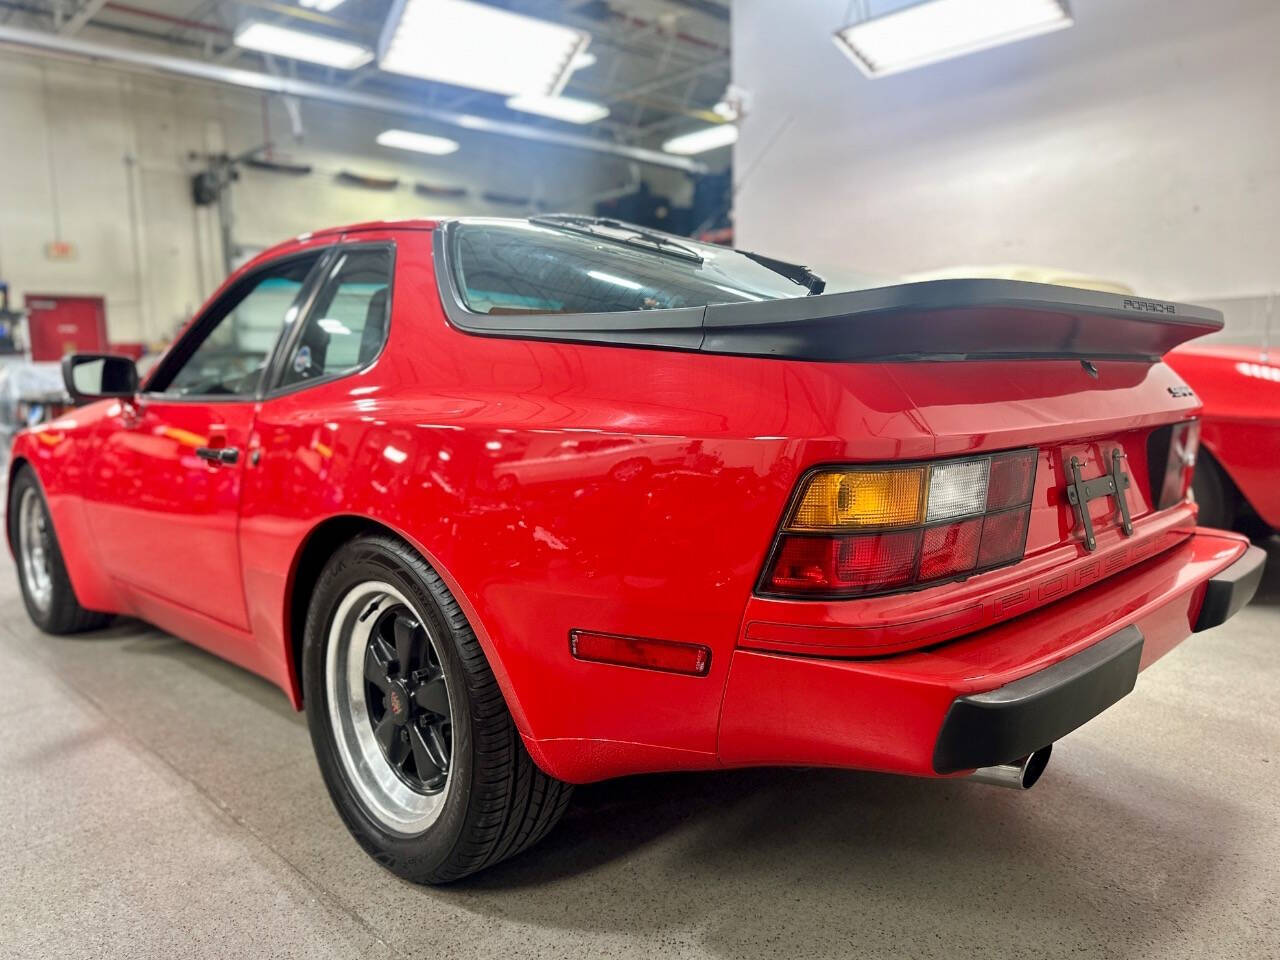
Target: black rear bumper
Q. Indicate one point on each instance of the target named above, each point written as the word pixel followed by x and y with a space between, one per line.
pixel 1227 593
pixel 1005 724
pixel 1002 725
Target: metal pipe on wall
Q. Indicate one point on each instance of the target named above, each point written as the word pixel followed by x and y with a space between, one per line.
pixel 49 44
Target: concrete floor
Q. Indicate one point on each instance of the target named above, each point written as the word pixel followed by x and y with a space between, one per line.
pixel 155 801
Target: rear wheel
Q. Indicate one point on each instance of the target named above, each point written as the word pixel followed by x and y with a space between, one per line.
pixel 413 737
pixel 46 589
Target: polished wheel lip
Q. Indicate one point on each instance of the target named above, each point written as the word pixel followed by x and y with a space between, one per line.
pixel 33 550
pixel 379 787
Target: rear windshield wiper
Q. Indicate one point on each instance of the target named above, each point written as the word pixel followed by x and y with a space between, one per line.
pixel 792 271
pixel 580 223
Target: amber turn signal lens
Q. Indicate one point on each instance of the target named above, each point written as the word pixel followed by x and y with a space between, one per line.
pixel 844 499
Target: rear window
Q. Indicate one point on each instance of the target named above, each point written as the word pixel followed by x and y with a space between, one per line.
pixel 519 269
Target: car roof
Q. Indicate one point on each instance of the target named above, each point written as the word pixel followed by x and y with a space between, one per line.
pixel 408 223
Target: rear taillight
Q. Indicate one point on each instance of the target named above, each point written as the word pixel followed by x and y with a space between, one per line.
pixel 854 531
pixel 1171 459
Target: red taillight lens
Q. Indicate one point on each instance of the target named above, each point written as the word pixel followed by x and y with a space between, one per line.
pixel 805 563
pixel 962 517
pixel 689 658
pixel 1012 475
pixel 950 549
pixel 846 565
pixel 1004 537
pixel 877 561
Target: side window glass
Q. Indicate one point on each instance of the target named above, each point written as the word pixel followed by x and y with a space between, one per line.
pixel 348 323
pixel 232 357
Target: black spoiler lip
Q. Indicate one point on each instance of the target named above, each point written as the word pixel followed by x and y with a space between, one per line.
pixel 957 319
pixel 929 320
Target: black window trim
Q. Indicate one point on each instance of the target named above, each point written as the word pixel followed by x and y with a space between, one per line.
pixel 195 335
pixel 273 388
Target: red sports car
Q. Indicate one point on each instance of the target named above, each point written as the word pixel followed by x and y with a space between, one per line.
pixel 1237 479
pixel 508 505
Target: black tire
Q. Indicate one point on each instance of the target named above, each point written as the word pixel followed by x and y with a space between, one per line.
pixel 1215 495
pixel 500 803
pixel 63 614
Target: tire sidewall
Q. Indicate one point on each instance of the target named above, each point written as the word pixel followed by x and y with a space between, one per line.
pixel 357 562
pixel 1213 498
pixel 23 480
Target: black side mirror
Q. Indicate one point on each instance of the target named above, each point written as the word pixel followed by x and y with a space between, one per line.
pixel 94 376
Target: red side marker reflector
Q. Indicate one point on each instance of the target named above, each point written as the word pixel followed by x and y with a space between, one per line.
pixel 692 659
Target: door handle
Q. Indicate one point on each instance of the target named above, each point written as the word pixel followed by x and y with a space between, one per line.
pixel 226 455
pixel 130 416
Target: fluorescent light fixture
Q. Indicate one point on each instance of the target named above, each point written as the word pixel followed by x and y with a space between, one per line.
pixel 323 6
pixel 420 142
pixel 700 141
pixel 583 60
pixel 559 108
pixel 478 46
pixel 300 45
pixel 940 29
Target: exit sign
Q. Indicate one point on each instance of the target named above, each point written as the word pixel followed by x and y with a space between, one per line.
pixel 59 250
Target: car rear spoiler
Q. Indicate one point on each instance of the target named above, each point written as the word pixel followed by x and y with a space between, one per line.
pixel 960 320
pixel 931 320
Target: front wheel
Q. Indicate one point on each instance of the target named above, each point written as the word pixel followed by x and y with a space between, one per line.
pixel 413 737
pixel 46 589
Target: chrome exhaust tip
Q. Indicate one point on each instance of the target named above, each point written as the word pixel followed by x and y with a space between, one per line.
pixel 1019 775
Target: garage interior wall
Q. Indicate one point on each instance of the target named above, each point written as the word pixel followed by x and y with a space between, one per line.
pixel 1141 145
pixel 98 158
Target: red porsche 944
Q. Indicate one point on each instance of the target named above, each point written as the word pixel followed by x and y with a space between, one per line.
pixel 508 505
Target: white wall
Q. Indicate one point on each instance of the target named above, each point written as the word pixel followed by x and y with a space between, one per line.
pixel 98 158
pixel 1142 145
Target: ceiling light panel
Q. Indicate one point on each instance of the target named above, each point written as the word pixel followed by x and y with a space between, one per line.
pixel 301 45
pixel 419 142
pixel 700 141
pixel 568 109
pixel 941 29
pixel 478 46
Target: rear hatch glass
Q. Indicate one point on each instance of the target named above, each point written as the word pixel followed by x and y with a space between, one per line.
pixel 517 267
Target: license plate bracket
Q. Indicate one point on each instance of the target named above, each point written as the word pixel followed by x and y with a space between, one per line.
pixel 1113 483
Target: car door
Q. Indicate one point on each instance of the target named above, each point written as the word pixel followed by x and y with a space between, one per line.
pixel 169 473
pixel 303 473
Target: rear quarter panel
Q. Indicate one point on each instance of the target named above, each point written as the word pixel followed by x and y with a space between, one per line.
pixel 557 486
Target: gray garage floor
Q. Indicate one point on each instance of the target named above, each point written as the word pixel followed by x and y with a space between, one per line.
pixel 155 801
